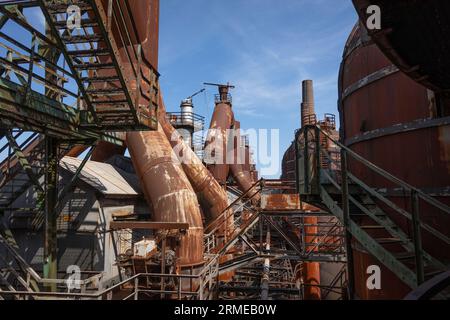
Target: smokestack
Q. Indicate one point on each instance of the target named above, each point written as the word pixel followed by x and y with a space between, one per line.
pixel 307 106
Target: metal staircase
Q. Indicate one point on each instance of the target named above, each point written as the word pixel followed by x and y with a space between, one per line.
pixel 118 85
pixel 366 212
pixel 24 167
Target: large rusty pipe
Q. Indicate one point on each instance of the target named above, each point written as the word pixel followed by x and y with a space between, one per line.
pixel 168 190
pixel 243 177
pixel 212 196
pixel 311 270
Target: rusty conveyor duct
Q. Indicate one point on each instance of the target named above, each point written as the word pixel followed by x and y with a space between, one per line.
pixel 168 190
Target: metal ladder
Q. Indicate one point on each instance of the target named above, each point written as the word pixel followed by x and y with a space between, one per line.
pixel 118 94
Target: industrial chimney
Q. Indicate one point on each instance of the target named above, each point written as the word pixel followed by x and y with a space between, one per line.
pixel 307 106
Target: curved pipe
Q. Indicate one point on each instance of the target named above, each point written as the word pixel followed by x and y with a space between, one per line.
pixel 212 196
pixel 167 188
pixel 238 167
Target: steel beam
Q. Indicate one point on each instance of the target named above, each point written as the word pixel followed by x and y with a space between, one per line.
pixel 148 225
pixel 51 196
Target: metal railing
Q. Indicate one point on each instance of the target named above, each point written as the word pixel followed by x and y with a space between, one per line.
pixel 184 286
pixel 309 152
pixel 220 234
pixel 189 119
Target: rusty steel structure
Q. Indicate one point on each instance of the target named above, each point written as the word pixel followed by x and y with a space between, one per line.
pixel 369 132
pixel 421 58
pixel 166 223
pixel 221 121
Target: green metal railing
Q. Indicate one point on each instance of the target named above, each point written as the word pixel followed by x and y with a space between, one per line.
pixel 314 181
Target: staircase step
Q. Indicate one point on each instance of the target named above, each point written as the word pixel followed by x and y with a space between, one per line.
pixel 62 8
pixel 374 227
pixel 431 274
pixel 88 53
pixel 93 66
pixel 404 256
pixel 105 91
pixel 82 38
pixel 100 79
pixel 389 240
pixel 110 102
pixel 85 23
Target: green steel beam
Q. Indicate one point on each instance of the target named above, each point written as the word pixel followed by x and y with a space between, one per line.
pixel 44 115
pixel 378 251
pixel 24 163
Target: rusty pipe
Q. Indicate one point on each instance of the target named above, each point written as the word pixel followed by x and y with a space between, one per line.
pixel 243 177
pixel 168 190
pixel 311 270
pixel 212 196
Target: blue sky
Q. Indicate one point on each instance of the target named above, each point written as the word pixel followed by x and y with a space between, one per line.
pixel 264 47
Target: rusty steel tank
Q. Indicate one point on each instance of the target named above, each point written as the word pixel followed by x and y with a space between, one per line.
pixel 414 36
pixel 288 164
pixel 394 122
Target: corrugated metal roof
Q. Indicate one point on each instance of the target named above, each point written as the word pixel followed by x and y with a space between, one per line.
pixel 103 177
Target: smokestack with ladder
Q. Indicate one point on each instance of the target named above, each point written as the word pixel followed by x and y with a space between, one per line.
pixel 311 270
pixel 308 113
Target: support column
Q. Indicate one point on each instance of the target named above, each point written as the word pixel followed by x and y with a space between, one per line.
pixel 348 235
pixel 51 196
pixel 266 270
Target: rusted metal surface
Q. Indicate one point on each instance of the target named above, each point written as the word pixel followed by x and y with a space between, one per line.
pixel 414 35
pixel 395 123
pixel 211 195
pixel 76 151
pixel 105 150
pixel 144 20
pixel 280 202
pixel 307 105
pixel 288 164
pixel 392 288
pixel 311 270
pixel 148 225
pixel 221 121
pixel 168 190
pixel 240 168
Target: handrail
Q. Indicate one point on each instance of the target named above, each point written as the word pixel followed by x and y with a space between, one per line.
pixel 33 274
pixel 203 272
pixel 395 180
pixel 389 176
pixel 225 211
pixel 415 194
